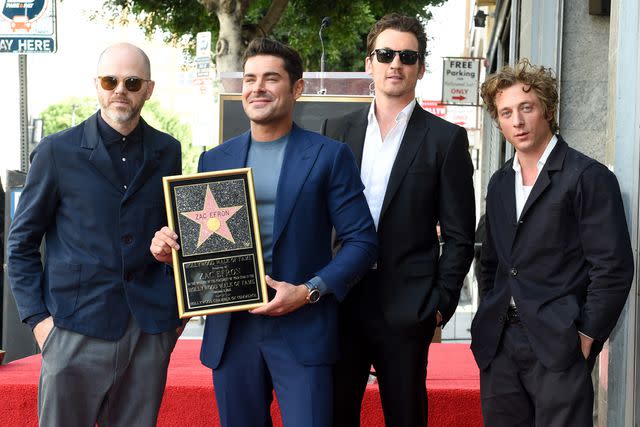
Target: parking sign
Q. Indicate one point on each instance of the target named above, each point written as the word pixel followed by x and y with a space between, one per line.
pixel 28 26
pixel 460 80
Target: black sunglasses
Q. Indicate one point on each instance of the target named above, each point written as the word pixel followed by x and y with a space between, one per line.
pixel 385 56
pixel 132 84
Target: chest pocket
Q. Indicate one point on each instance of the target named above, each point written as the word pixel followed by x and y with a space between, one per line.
pixel 558 223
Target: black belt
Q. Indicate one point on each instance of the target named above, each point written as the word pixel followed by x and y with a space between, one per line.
pixel 512 315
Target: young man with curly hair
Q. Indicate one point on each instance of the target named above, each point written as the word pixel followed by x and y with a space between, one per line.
pixel 556 263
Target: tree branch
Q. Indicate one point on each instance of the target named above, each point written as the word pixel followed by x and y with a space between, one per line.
pixel 210 5
pixel 272 16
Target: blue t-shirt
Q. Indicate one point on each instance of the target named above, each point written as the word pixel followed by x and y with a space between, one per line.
pixel 265 159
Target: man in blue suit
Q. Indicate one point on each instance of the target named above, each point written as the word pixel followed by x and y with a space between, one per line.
pixel 305 186
pixel 103 311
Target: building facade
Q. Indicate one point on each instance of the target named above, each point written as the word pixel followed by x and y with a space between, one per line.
pixel 593 46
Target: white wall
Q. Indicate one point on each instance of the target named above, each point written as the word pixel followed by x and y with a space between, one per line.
pixel 445 37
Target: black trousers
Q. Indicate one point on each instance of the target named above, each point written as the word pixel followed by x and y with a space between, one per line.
pixel 399 358
pixel 516 390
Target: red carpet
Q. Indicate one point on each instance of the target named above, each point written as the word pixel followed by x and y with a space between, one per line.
pixel 453 384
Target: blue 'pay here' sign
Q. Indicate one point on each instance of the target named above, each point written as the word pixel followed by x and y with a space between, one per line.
pixel 27 26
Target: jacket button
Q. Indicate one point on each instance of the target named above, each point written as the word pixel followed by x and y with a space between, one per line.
pixel 514 272
pixel 501 318
pixel 128 276
pixel 127 239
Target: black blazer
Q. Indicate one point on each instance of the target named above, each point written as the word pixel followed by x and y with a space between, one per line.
pixel 567 261
pixel 431 181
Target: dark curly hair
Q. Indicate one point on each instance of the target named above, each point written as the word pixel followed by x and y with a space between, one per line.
pixel 540 79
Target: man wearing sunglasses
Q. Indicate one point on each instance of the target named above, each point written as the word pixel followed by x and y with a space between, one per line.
pixel 417 173
pixel 103 312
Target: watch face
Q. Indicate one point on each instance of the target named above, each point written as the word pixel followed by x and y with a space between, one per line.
pixel 314 296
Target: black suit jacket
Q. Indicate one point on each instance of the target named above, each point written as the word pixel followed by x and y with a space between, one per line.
pixel 566 261
pixel 431 181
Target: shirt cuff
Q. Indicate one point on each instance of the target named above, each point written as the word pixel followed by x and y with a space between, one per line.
pixel 35 319
pixel 318 283
pixel 585 335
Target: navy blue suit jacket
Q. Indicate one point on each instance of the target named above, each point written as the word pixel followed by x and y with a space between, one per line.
pixel 567 260
pixel 97 269
pixel 319 189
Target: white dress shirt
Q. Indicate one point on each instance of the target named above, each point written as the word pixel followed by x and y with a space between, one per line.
pixel 523 191
pixel 378 156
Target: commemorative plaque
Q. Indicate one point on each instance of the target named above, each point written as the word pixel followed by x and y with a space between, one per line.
pixel 219 266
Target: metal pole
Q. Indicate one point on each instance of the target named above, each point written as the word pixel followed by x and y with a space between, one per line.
pixel 24 114
pixel 322 90
pixel 74 107
pixel 326 21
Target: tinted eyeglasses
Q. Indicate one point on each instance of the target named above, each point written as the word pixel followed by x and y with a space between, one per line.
pixel 385 56
pixel 132 84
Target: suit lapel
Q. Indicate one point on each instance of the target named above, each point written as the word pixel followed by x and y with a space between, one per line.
pixel 99 156
pixel 553 163
pixel 237 152
pixel 507 199
pixel 356 134
pixel 151 153
pixel 299 157
pixel 413 138
pixel 541 184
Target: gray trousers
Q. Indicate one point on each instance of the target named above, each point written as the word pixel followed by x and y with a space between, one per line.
pixel 85 380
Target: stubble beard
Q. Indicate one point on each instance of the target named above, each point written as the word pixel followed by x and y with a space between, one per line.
pixel 399 90
pixel 122 116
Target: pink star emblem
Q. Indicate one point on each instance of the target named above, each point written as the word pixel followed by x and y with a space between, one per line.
pixel 212 219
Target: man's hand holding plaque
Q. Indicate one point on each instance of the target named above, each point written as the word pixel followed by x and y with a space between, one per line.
pixel 288 298
pixel 218 264
pixel 163 241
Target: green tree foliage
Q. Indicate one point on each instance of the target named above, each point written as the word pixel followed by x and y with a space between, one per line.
pixel 169 122
pixel 57 117
pixel 297 23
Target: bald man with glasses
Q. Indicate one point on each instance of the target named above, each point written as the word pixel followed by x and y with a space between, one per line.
pixel 103 312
